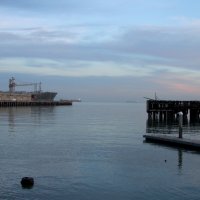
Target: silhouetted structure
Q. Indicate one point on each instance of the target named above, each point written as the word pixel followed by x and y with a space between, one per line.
pixel 168 110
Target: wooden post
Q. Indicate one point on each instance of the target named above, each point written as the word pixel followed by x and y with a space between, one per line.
pixel 180 120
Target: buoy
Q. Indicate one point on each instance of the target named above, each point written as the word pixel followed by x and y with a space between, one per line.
pixel 27 182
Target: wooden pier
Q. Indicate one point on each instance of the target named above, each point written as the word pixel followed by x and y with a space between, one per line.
pixel 167 110
pixel 35 103
pixel 173 141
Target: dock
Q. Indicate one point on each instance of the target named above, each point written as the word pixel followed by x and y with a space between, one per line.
pixel 170 112
pixel 35 103
pixel 173 141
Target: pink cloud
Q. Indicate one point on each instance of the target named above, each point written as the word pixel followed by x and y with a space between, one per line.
pixel 185 88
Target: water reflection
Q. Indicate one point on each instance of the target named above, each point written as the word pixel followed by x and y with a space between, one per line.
pixel 11 121
pixel 24 115
pixel 180 159
pixel 190 128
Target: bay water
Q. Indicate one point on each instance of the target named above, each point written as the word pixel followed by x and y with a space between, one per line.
pixel 93 151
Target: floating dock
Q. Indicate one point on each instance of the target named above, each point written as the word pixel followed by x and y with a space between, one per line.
pixel 173 141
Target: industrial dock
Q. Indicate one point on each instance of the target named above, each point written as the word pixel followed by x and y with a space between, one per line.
pixel 13 98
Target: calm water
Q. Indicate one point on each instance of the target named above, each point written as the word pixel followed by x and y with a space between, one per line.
pixel 92 151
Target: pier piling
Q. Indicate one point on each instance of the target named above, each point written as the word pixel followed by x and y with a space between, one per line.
pixel 180 119
pixel 165 110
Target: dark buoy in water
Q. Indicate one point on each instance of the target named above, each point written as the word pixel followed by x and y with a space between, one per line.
pixel 27 182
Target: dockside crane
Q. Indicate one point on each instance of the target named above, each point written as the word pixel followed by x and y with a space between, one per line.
pixel 13 84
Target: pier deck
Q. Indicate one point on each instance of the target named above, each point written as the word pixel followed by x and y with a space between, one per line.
pixel 173 141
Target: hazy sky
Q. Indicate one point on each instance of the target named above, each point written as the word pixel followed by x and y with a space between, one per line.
pixel 103 50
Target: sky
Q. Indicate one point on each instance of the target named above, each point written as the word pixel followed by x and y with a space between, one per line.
pixel 97 50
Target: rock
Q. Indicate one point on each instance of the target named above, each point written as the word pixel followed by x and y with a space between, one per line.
pixel 27 182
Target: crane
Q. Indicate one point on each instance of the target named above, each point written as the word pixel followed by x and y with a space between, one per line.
pixel 156 98
pixel 12 85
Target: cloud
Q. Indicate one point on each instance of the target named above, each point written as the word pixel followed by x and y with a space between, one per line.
pixel 173 46
pixel 78 5
pixel 48 67
pixel 177 46
pixel 139 51
pixel 108 50
pixel 68 12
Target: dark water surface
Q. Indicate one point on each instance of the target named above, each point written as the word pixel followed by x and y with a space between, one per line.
pixel 91 151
